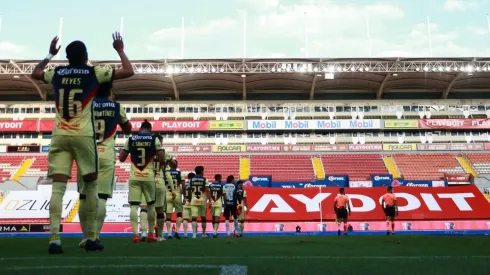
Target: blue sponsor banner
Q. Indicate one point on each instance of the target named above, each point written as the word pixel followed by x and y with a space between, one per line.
pixel 262 181
pixel 340 181
pixel 416 183
pixel 413 183
pixel 314 184
pixel 45 148
pixel 381 180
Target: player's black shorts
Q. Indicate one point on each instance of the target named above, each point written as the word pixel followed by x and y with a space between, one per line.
pixel 342 213
pixel 230 210
pixel 390 211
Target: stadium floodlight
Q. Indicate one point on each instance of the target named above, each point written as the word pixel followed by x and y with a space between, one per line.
pixel 315 69
pixel 205 70
pixel 426 69
pixel 352 69
pixel 417 69
pixel 485 69
pixel 448 69
pixel 331 69
pixel 440 68
pixel 469 68
pixel 344 69
pixel 478 68
pixel 213 70
pixel 273 69
pixel 222 70
pixel 367 69
pixel 191 70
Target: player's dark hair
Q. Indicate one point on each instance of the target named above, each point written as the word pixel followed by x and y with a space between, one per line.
pixel 218 177
pixel 76 53
pixel 342 190
pixel 199 170
pixel 146 125
pixel 191 175
pixel 230 179
pixel 104 90
pixel 390 188
pixel 239 182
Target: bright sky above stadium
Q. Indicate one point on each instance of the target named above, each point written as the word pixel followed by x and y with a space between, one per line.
pixel 275 28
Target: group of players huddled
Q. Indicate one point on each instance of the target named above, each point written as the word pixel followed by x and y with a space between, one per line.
pixel 86 120
pixel 160 190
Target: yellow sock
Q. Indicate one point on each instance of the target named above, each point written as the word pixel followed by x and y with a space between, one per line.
pixel 144 220
pixel 194 228
pixel 101 212
pixel 177 224
pixel 91 208
pixel 186 226
pixel 151 217
pixel 169 227
pixel 55 208
pixel 133 217
pixel 82 215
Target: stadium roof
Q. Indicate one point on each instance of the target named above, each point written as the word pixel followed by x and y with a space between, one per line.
pixel 254 79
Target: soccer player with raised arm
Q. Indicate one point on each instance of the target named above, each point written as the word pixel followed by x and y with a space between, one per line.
pixel 108 115
pixel 143 147
pixel 230 205
pixel 198 186
pixel 187 198
pixel 74 136
pixel 242 206
pixel 341 207
pixel 391 210
pixel 216 204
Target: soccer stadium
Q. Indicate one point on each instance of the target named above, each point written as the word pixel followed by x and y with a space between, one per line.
pixel 307 138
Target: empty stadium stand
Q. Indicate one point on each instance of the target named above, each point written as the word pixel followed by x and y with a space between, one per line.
pixel 480 162
pixel 287 167
pixel 357 166
pixel 283 168
pixel 427 166
pixel 9 165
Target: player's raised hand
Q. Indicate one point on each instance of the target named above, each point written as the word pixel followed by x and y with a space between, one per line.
pixel 117 43
pixel 52 48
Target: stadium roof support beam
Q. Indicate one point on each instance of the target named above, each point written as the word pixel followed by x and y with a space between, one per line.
pixel 313 85
pixel 450 85
pixel 244 87
pixel 379 94
pixel 267 66
pixel 174 86
pixel 41 92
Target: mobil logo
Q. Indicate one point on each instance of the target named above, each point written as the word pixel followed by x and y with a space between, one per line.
pixel 328 124
pixel 382 178
pixel 296 124
pixel 264 124
pixel 361 124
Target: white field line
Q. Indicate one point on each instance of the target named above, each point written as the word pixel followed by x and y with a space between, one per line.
pixel 224 269
pixel 449 257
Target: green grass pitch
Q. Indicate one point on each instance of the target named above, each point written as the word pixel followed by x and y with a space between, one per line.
pixel 379 255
